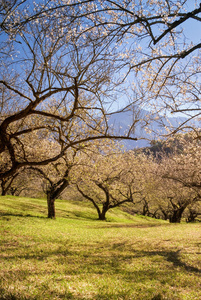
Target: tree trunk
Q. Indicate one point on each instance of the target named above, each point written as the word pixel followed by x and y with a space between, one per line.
pixel 101 214
pixel 165 215
pixel 3 192
pixel 3 189
pixel 176 215
pixel 53 193
pixel 145 208
pixel 12 191
pixel 192 216
pixel 51 206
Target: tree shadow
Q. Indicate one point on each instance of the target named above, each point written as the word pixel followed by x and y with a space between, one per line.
pixel 173 256
pixel 9 214
pixel 67 295
pixel 111 257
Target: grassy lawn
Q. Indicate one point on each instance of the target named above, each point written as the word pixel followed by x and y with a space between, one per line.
pixel 78 257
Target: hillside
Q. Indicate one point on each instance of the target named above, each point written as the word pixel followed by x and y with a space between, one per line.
pixel 31 207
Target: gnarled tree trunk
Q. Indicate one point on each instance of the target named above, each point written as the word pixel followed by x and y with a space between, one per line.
pixel 53 193
pixel 175 217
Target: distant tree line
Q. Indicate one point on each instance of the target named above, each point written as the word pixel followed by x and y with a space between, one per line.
pixel 104 174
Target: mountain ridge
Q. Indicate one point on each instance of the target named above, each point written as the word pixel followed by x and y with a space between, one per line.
pixel 147 127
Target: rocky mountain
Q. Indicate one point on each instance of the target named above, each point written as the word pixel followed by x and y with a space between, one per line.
pixel 146 127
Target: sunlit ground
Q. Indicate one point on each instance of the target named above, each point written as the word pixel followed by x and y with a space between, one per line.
pixel 78 257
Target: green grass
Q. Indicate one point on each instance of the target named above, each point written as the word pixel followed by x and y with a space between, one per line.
pixel 78 257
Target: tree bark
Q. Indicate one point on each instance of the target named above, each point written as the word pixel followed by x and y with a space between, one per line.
pixel 101 215
pixel 191 216
pixel 53 193
pixel 3 189
pixel 176 215
pixel 3 192
pixel 165 214
pixel 51 206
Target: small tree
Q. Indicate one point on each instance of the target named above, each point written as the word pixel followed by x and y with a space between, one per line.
pixel 193 212
pixel 108 179
pixel 21 182
pixel 170 199
pixel 7 185
pixel 56 177
pixel 179 177
pixel 184 167
pixel 147 204
pixel 177 206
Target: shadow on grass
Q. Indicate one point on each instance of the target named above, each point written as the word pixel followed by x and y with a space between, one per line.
pixel 70 296
pixel 16 296
pixel 59 214
pixel 76 215
pixel 173 257
pixel 93 260
pixel 9 214
pixel 110 256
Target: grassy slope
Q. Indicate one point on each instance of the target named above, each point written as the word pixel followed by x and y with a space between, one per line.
pixel 78 257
